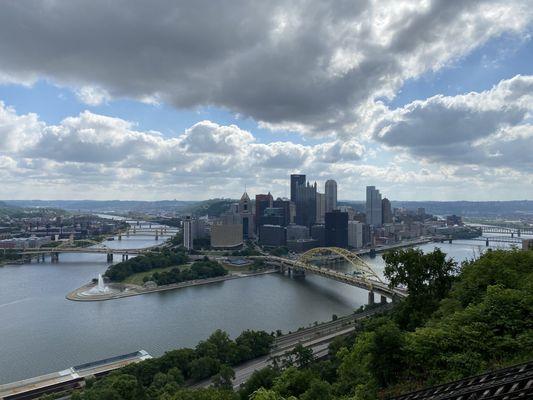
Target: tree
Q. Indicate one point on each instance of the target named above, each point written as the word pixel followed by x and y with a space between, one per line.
pixel 318 390
pixel 386 353
pixel 293 381
pixel 263 378
pixel 303 355
pixel 204 367
pixel 428 278
pixel 224 378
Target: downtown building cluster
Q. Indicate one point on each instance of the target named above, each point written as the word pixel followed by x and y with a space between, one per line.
pixel 310 219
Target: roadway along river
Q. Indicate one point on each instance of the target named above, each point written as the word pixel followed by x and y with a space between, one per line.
pixel 41 331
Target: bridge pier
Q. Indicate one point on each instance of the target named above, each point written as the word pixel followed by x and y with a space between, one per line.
pixel 109 257
pixel 298 273
pixel 371 298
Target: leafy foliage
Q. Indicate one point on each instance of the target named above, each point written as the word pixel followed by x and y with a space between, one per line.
pixel 164 377
pixel 156 259
pixel 199 270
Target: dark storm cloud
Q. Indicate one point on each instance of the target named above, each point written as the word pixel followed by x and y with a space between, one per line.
pixel 305 64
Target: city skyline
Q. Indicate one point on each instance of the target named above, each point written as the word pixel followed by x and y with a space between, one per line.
pixel 134 112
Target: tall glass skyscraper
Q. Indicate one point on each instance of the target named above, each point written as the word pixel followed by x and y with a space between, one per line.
pixel 296 180
pixel 374 215
pixel 331 195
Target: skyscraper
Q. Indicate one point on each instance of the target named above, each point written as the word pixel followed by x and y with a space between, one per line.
pixel 286 206
pixel 320 207
pixel 262 202
pixel 306 204
pixel 189 232
pixel 296 180
pixel 374 215
pixel 386 211
pixel 337 229
pixel 331 195
pixel 245 211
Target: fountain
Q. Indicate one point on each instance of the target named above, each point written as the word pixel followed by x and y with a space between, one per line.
pixel 100 288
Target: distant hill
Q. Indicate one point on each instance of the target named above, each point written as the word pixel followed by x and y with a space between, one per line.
pixel 473 209
pixel 212 207
pixel 215 207
pixel 104 205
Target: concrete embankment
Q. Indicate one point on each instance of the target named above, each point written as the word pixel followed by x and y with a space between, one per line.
pixel 118 291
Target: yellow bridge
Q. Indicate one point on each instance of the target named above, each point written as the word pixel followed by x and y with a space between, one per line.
pixel 363 276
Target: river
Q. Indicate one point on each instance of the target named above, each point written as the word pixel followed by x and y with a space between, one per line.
pixel 41 331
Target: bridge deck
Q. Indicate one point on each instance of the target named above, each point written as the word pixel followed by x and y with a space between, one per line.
pixel 354 280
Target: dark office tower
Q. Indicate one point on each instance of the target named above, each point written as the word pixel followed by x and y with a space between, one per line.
pixel 286 206
pixel 318 232
pixel 337 229
pixel 296 180
pixel 367 236
pixel 386 211
pixel 262 202
pixel 306 204
pixel 272 216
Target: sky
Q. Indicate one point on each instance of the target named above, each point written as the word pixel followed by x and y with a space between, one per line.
pixel 427 100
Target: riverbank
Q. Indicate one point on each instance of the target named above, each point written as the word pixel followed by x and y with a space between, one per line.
pixel 118 291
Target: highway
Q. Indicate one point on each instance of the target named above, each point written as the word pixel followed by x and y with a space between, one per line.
pixel 316 338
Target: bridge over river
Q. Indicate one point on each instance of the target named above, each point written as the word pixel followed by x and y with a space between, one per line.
pixel 55 251
pixel 363 277
pixel 508 230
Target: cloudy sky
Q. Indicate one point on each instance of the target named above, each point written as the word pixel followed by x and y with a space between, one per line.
pixel 428 100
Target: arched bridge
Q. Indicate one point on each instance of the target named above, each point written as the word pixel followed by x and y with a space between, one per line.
pixel 363 276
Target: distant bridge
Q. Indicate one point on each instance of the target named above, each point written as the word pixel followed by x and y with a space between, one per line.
pixel 55 251
pixel 498 239
pixel 504 230
pixel 363 277
pixel 158 231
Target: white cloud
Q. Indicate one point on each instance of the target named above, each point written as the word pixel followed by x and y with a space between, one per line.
pixel 489 128
pixel 92 95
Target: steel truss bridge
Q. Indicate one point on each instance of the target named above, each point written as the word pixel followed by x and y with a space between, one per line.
pixel 97 249
pixel 363 277
pixel 143 230
pixel 505 230
pixel 498 239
